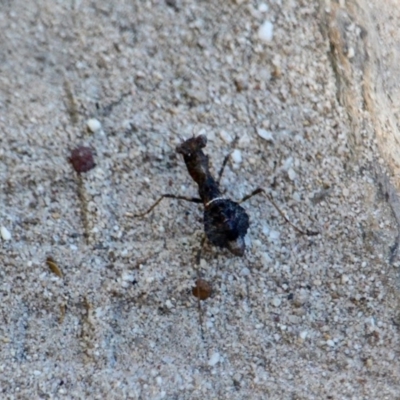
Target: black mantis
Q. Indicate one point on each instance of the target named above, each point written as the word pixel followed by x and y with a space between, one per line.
pixel 225 221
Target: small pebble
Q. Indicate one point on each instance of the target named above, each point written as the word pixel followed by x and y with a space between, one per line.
pixel 303 335
pixel 344 279
pixel 287 164
pixel 300 298
pixel 244 140
pixel 266 31
pixel 169 304
pixel 93 125
pixel 330 343
pixel 241 84
pixel 202 290
pixel 53 266
pixel 214 359
pixel 197 95
pixel 236 156
pixel 82 159
pixel 276 301
pixel 296 197
pixel 274 235
pixel 291 174
pixel 5 233
pixel 266 258
pixel 226 137
pixel 126 276
pixel 266 135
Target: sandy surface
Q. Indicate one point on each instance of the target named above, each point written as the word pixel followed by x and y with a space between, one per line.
pixel 298 317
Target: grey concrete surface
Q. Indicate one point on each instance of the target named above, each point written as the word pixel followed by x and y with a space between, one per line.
pixel 298 317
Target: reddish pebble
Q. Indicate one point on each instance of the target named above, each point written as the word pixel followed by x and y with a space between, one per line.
pixel 202 290
pixel 82 159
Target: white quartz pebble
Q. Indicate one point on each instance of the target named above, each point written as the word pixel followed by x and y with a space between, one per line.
pixel 5 233
pixel 266 31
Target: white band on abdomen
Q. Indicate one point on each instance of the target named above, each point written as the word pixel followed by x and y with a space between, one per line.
pixel 212 201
